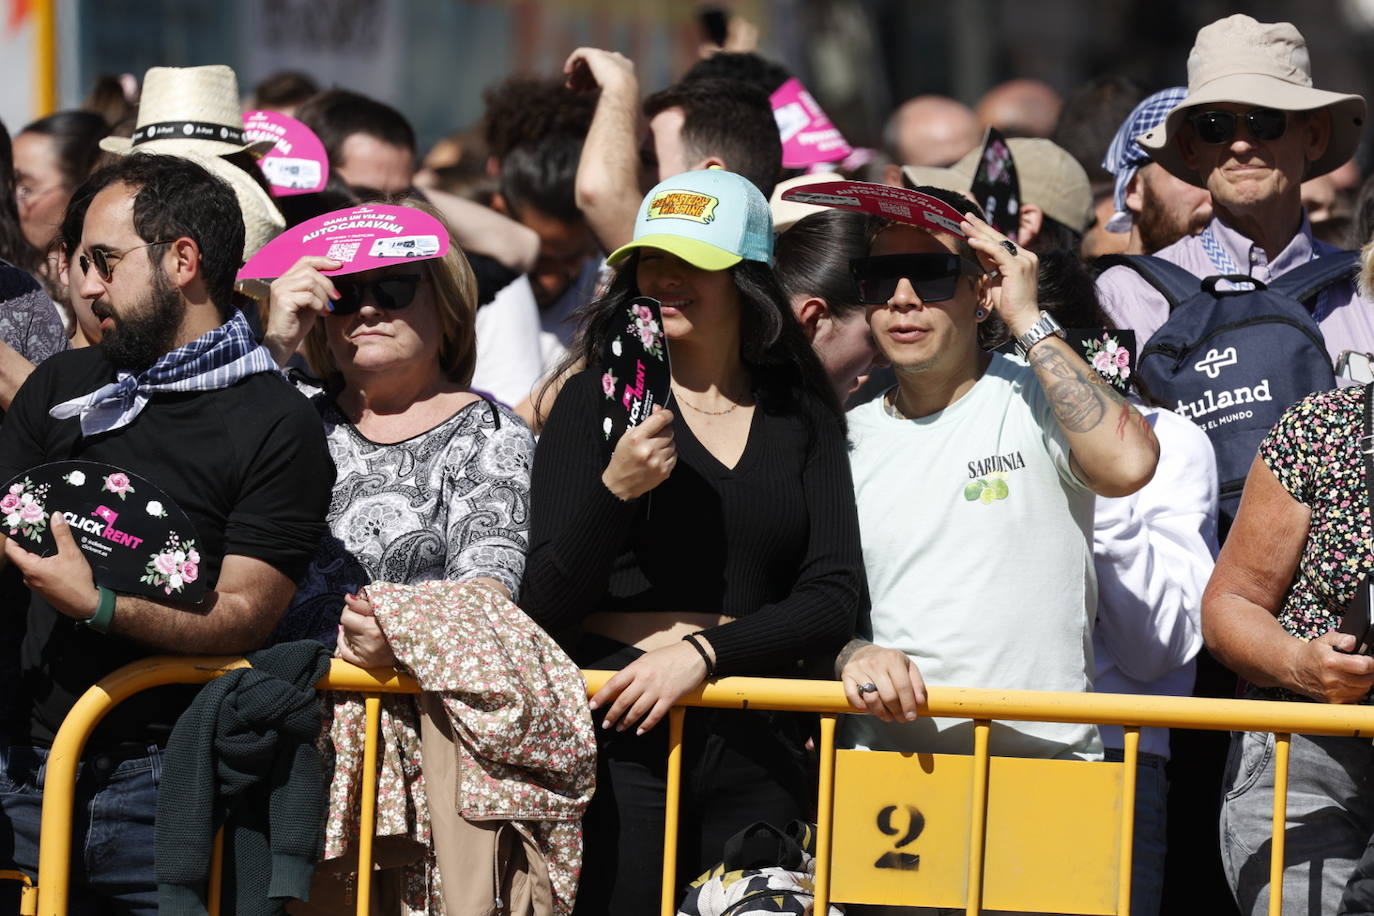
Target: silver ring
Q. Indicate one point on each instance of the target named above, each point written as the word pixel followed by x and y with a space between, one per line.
pixel 1010 246
pixel 870 687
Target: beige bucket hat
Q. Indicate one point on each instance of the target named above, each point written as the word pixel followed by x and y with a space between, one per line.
pixel 1050 179
pixel 1264 64
pixel 188 108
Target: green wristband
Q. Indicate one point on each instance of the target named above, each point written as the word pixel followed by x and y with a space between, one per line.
pixel 104 613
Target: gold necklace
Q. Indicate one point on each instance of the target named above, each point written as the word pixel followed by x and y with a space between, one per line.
pixel 710 413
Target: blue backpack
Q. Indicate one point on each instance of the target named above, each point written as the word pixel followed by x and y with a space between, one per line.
pixel 1233 359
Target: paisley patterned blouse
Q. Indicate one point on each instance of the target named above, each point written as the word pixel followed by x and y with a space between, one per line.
pixel 1314 451
pixel 451 503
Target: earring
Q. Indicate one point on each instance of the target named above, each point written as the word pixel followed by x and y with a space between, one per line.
pixel 980 314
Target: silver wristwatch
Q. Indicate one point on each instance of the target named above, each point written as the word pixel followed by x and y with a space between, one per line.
pixel 1037 332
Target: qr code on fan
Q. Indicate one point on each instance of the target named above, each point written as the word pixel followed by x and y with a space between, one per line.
pixel 343 251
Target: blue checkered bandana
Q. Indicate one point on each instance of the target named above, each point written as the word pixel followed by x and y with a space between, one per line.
pixel 1125 157
pixel 214 360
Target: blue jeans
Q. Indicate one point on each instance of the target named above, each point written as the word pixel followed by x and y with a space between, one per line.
pixel 1327 855
pixel 112 833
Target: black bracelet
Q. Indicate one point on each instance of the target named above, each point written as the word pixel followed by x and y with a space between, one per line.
pixel 705 656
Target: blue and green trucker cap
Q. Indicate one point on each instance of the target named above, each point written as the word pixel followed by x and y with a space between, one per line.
pixel 711 218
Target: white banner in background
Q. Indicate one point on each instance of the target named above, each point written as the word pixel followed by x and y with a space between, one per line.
pixel 18 95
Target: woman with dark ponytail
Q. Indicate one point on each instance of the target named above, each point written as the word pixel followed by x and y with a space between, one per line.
pixel 720 537
pixel 811 261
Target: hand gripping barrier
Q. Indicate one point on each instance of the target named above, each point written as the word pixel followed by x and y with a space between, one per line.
pixel 979 819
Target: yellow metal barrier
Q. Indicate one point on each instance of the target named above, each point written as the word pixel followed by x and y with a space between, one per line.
pixel 55 829
pixel 28 893
pixel 981 771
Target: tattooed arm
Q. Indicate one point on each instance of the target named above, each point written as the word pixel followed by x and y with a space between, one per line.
pixel 1112 448
pixel 847 654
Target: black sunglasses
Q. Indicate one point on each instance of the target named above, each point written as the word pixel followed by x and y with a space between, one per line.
pixel 933 276
pixel 1217 127
pixel 388 293
pixel 102 259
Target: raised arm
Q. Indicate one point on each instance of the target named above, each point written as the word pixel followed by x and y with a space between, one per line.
pixel 1112 449
pixel 608 173
pixel 484 231
pixel 298 298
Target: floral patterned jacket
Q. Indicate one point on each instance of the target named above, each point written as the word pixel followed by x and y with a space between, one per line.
pixel 518 706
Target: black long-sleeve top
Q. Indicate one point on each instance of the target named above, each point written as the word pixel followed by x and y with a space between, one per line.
pixel 773 542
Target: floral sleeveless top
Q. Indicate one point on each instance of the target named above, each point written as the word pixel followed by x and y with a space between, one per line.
pixel 1314 451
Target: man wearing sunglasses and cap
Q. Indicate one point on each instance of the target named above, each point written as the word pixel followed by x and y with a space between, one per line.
pixel 975 479
pixel 1250 130
pixel 177 393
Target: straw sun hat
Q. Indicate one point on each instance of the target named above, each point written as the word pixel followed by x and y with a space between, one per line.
pixel 188 108
pixel 193 112
pixel 262 221
pixel 1264 64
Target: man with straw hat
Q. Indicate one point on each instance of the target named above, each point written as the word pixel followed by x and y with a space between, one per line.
pixel 1251 129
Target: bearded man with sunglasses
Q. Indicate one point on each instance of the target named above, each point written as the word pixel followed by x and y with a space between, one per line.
pixel 178 393
pixel 975 480
pixel 1251 130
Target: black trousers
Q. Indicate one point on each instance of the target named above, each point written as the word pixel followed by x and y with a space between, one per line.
pixel 738 767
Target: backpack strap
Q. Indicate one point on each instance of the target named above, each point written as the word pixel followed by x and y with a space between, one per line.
pixel 1302 283
pixel 1171 281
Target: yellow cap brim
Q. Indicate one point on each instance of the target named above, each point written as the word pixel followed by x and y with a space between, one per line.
pixel 697 253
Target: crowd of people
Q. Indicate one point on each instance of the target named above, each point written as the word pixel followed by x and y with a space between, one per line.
pixel 881 458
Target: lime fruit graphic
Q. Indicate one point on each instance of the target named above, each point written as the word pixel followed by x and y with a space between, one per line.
pixel 987 496
pixel 974 489
pixel 999 489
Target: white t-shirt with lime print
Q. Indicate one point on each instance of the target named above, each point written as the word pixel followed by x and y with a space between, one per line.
pixel 977 541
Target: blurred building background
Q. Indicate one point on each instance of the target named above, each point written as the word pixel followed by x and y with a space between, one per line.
pixel 432 58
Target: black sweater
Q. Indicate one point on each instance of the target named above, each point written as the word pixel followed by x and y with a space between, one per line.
pixel 773 541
